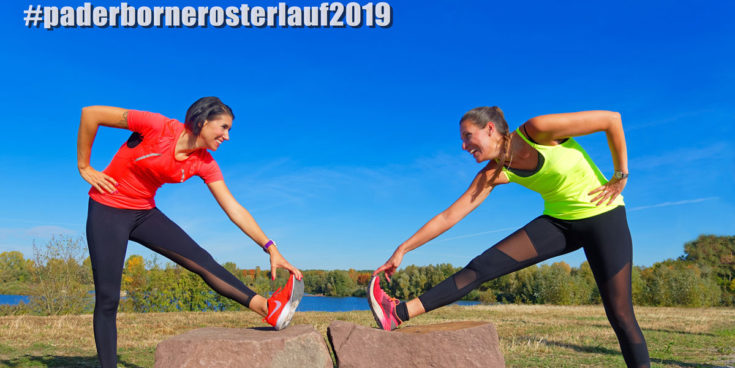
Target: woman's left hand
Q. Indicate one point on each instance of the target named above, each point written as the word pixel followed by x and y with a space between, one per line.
pixel 277 261
pixel 609 191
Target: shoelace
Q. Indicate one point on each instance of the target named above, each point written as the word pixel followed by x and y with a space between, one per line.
pixel 395 302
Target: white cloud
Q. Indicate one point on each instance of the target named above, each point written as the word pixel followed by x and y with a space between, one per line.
pixel 279 183
pixel 22 239
pixel 477 234
pixel 44 231
pixel 670 120
pixel 680 157
pixel 675 203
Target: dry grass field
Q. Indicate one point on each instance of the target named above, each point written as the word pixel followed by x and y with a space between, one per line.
pixel 530 335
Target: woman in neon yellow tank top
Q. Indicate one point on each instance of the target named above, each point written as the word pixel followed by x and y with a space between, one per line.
pixel 582 209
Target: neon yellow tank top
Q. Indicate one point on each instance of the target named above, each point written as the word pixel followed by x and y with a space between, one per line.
pixel 564 179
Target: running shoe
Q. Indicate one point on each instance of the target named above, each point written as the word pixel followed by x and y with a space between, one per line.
pixel 382 306
pixel 283 303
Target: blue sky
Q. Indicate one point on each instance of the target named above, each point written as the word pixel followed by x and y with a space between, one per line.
pixel 346 140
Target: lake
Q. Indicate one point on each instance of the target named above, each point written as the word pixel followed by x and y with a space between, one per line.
pixel 310 303
pixel 13 299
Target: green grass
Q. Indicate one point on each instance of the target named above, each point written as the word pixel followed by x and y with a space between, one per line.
pixel 530 335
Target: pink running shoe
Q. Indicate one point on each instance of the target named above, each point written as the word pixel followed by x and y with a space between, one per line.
pixel 382 306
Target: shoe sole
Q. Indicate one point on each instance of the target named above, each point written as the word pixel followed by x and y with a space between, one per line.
pixel 293 302
pixel 374 304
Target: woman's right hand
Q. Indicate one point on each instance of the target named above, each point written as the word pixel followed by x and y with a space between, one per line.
pixel 391 265
pixel 99 180
pixel 277 261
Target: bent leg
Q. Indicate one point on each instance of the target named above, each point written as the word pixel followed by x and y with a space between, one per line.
pixel 107 238
pixel 539 240
pixel 162 235
pixel 609 250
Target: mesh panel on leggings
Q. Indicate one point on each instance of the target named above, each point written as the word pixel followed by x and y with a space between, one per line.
pixel 518 246
pixel 616 297
pixel 491 264
pixel 216 283
pixel 608 247
pixel 464 278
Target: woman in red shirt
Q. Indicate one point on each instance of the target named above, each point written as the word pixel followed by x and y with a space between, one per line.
pixel 122 208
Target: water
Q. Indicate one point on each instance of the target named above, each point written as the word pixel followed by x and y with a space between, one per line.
pixel 310 303
pixel 13 299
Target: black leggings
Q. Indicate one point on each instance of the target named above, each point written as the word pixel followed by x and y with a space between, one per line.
pixel 108 232
pixel 609 250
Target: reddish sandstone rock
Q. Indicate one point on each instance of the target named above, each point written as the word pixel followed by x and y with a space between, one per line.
pixel 295 347
pixel 453 344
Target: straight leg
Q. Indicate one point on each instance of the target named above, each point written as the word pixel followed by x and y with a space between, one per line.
pixel 163 236
pixel 107 238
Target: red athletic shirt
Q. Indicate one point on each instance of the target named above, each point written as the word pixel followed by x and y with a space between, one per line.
pixel 141 169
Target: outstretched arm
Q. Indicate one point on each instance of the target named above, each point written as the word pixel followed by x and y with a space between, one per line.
pixel 242 218
pixel 475 194
pixel 549 129
pixel 92 118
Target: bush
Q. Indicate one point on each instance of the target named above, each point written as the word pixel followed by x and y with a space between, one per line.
pixel 679 283
pixel 61 282
pixel 553 284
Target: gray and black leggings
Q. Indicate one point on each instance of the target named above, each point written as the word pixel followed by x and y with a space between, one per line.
pixel 607 244
pixel 108 232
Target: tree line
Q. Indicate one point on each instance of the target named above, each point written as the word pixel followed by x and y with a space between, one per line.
pixel 58 280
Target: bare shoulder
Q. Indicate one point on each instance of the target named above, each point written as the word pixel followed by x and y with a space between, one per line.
pixel 492 174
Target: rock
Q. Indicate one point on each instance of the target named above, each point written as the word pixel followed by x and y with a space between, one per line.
pixel 453 344
pixel 297 346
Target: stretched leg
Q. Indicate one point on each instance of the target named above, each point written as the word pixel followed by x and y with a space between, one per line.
pixel 609 250
pixel 539 240
pixel 162 235
pixel 107 238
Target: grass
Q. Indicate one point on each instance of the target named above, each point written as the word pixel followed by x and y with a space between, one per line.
pixel 530 335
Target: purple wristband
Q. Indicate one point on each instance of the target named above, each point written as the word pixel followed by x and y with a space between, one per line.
pixel 268 244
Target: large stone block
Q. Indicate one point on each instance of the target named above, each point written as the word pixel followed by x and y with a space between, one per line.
pixel 453 344
pixel 297 346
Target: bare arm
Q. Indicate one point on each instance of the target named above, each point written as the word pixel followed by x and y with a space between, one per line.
pixel 245 221
pixel 548 129
pixel 475 194
pixel 92 118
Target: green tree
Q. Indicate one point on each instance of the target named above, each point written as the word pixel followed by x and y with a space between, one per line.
pixel 134 284
pixel 553 284
pixel 588 293
pixel 13 267
pixel 339 283
pixel 638 285
pixel 59 277
pixel 716 255
pixel 679 283
pixel 315 281
pixel 517 287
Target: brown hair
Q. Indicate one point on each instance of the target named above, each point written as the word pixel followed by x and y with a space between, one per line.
pixel 204 109
pixel 480 116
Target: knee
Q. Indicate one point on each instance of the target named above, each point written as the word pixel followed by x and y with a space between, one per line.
pixel 107 302
pixel 486 260
pixel 623 320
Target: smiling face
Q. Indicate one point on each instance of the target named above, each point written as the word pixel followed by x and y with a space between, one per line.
pixel 215 131
pixel 482 143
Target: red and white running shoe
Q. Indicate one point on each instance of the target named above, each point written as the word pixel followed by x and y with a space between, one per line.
pixel 283 303
pixel 382 306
